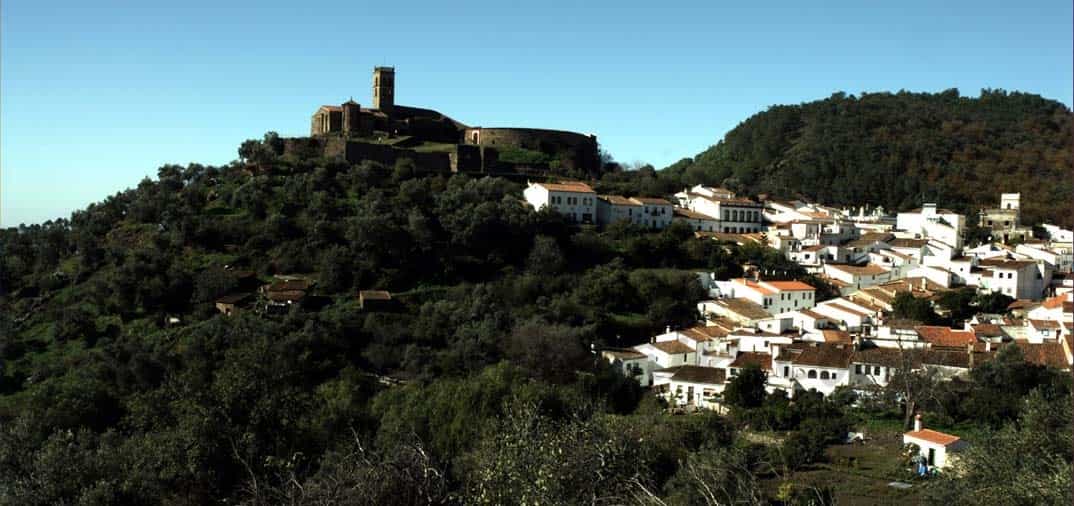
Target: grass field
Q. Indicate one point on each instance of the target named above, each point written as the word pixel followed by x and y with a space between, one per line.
pixel 859 473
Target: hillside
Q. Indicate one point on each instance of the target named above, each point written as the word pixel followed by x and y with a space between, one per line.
pixel 901 149
pixel 123 381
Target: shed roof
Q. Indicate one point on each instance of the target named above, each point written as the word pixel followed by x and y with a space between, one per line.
pixel 933 436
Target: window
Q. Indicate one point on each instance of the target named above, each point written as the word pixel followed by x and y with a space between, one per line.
pixel 811 374
pixel 857 368
pixel 734 372
pixel 876 370
pixel 824 375
pixel 786 371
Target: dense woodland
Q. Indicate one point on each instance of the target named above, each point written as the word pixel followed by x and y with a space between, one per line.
pixel 899 150
pixel 495 396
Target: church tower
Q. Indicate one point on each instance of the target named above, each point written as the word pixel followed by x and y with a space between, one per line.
pixel 384 88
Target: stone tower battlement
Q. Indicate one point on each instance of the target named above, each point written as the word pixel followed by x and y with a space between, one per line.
pixel 384 88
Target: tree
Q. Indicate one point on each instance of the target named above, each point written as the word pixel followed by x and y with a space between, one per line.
pixel 546 257
pixel 747 389
pixel 908 307
pixel 1037 470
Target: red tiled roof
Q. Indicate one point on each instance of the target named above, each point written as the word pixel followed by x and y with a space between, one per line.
pixel 830 356
pixel 761 360
pixel 860 270
pixel 618 200
pixel 672 347
pixel 693 215
pixel 568 186
pixel 704 333
pixel 624 354
pixel 1048 354
pixel 754 285
pixel 988 330
pixel 1021 304
pixel 790 286
pixel 744 307
pixel 1044 324
pixel 1054 302
pixel 652 201
pixel 944 336
pixel 836 336
pixel 698 374
pixel 933 436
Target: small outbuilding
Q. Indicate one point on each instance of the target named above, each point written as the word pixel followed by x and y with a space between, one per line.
pixel 373 300
pixel 232 303
pixel 936 448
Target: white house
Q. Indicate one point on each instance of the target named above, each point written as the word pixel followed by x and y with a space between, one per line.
pixel 697 221
pixel 1058 257
pixel 574 200
pixel 633 364
pixel 1058 234
pixel 931 222
pixel 738 309
pixel 936 448
pixel 1020 279
pixel 849 315
pixel 668 353
pixel 656 213
pixel 774 296
pixel 856 277
pixel 736 215
pixel 691 385
pixel 810 366
pixel 617 209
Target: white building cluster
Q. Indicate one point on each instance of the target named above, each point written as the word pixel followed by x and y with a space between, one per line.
pixel 851 341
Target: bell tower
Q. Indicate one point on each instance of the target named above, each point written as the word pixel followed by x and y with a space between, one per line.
pixel 383 88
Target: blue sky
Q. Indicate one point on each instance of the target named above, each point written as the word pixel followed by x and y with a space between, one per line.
pixel 93 98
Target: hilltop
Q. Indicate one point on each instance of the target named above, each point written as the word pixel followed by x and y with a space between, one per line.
pixel 900 150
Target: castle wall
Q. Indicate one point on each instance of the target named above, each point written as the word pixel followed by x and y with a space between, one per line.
pixel 578 151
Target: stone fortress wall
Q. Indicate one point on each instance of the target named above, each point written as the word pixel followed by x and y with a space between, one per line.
pixel 579 151
pixel 342 130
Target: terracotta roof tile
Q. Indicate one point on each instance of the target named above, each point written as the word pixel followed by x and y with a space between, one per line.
pixel 672 347
pixel 933 436
pixel 1048 354
pixel 698 374
pixel 569 186
pixel 790 286
pixel 944 336
pixel 761 360
pixel 825 355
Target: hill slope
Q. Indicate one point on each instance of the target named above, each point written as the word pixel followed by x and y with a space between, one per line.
pixel 899 150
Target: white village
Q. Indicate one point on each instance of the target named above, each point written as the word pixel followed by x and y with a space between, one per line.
pixel 851 341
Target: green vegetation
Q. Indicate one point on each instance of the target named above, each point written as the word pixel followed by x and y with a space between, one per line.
pixel 120 383
pixel 900 150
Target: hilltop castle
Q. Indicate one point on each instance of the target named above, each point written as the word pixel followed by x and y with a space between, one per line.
pixel 387 132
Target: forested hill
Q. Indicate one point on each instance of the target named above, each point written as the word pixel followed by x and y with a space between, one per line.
pixel 899 150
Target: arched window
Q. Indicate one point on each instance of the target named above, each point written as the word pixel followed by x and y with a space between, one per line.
pixel 824 375
pixel 811 374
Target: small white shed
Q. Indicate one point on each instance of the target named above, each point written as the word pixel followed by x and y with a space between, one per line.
pixel 936 447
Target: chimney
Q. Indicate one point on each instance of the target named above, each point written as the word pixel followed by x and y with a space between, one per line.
pixel 667 329
pixel 917 422
pixel 924 284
